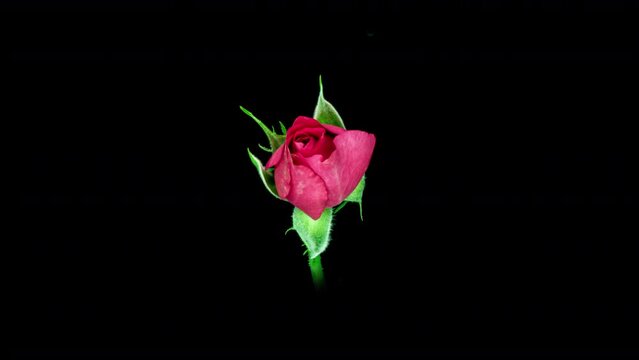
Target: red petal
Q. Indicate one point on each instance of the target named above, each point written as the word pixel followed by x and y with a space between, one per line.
pixel 283 172
pixel 301 123
pixel 334 129
pixel 308 191
pixel 276 157
pixel 343 170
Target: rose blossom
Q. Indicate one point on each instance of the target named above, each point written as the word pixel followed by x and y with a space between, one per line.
pixel 319 165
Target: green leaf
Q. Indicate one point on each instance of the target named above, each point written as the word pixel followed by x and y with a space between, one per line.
pixel 314 233
pixel 325 112
pixel 357 194
pixel 274 139
pixel 266 175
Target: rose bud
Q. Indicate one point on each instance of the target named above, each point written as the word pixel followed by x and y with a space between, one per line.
pixel 319 165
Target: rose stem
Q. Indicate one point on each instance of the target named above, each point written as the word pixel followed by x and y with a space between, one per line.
pixel 317 272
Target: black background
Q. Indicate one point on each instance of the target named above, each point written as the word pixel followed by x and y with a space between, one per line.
pixel 500 211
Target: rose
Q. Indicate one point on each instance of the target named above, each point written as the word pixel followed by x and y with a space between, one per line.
pixel 319 165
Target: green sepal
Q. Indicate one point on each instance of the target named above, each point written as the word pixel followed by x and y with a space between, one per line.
pixel 325 112
pixel 357 194
pixel 264 148
pixel 339 207
pixel 356 197
pixel 274 140
pixel 265 174
pixel 314 233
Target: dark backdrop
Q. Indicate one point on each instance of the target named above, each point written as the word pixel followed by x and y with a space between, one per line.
pixel 500 211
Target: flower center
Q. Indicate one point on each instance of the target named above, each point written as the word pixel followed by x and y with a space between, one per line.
pixel 313 142
pixel 304 140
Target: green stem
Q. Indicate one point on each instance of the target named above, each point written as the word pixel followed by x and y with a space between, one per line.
pixel 317 272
